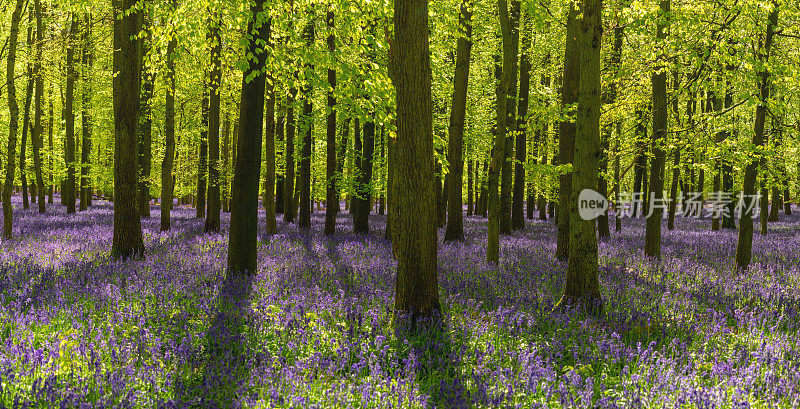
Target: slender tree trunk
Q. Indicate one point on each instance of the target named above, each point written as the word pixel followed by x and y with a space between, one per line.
pixel 458 114
pixel 38 129
pixel 23 158
pixel 202 160
pixel 242 246
pixel 617 178
pixel 517 205
pixel 304 219
pixel 69 156
pixel 363 201
pixel 145 120
pixel 13 109
pixel 127 240
pixel 87 60
pixel 269 147
pixel 215 83
pixel 566 137
pixel 506 183
pixel 332 192
pixel 340 160
pixel 50 143
pixel 415 245
pixel 279 177
pixel 288 182
pixel 652 238
pixel 470 187
pixel 167 187
pixel 744 246
pixel 224 176
pixel 582 283
pixel 498 154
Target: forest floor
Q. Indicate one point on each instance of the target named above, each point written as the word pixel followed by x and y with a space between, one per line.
pixel 78 328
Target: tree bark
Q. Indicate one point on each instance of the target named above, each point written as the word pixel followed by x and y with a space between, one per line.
pixel 506 182
pixel 362 202
pixel 415 244
pixel 13 109
pixel 145 120
pixel 269 147
pixel 332 192
pixel 127 239
pixel 458 115
pixel 215 83
pixel 582 283
pixel 37 110
pixel 289 206
pixel 242 245
pixel 167 188
pixel 87 61
pixel 279 177
pixel 69 155
pixel 521 153
pixel 744 245
pixel 566 137
pixel 304 219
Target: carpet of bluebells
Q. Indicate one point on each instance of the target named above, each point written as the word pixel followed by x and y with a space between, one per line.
pixel 78 329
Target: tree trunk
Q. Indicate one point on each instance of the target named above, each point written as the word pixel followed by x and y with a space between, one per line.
pixel 415 244
pixel 224 176
pixel 279 177
pixel 268 197
pixel 470 188
pixel 51 120
pixel 506 183
pixel 288 181
pixel 13 109
pixel 362 202
pixel 69 155
pixel 332 192
pixel 127 241
pixel 499 151
pixel 566 137
pixel 145 120
pixel 652 238
pixel 242 246
pixel 582 284
pixel 215 83
pixel 23 158
pixel 87 60
pixel 517 204
pixel 304 219
pixel 458 116
pixel 167 188
pixel 744 245
pixel 37 110
pixel 202 159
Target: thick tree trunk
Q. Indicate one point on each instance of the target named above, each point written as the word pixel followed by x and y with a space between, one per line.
pixel 332 192
pixel 215 83
pixel 566 137
pixel 127 241
pixel 744 245
pixel 38 129
pixel 13 109
pixel 242 246
pixel 415 244
pixel 167 188
pixel 517 201
pixel 582 283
